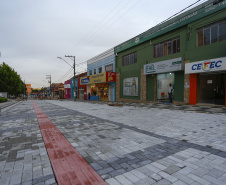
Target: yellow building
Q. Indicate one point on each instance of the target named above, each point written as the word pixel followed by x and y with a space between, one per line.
pixel 28 87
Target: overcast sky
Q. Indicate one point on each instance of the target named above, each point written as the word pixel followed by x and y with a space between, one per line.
pixel 33 33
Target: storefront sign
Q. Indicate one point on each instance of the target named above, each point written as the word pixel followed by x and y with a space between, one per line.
pixel 66 86
pixel 130 86
pixel 217 64
pixel 98 78
pixel 110 76
pixel 164 66
pixel 102 77
pixel 84 80
pixel 102 85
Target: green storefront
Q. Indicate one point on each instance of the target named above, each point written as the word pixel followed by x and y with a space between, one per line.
pixel 147 63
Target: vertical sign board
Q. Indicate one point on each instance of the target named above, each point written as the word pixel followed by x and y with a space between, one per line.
pixel 110 76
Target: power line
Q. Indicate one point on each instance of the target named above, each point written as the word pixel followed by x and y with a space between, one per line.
pixel 60 79
pixel 85 39
pixel 96 34
pixel 82 40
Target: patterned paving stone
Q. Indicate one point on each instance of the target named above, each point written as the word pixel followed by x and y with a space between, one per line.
pixel 22 147
pixel 127 149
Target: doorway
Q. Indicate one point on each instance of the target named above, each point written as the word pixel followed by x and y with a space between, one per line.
pixel 211 89
pixel 163 81
pixel 81 93
pixel 111 93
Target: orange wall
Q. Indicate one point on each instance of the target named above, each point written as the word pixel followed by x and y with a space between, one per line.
pixel 28 86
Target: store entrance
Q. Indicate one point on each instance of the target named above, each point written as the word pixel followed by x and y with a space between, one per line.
pixel 81 93
pixel 103 93
pixel 111 93
pixel 211 89
pixel 163 81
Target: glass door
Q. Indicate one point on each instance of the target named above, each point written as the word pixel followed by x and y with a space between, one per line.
pixel 163 81
pixel 211 89
pixel 219 89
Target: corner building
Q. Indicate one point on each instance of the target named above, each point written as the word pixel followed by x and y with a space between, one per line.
pixel 147 63
pixel 101 76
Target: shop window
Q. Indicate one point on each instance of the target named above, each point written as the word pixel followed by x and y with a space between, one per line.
pixel 167 47
pixel 100 70
pixel 94 71
pixel 211 34
pixel 90 72
pixel 129 59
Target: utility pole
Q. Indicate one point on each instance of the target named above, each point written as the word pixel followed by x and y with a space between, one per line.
pixel 49 77
pixel 24 89
pixel 75 90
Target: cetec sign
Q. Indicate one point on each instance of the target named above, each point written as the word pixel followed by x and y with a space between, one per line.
pixel 217 64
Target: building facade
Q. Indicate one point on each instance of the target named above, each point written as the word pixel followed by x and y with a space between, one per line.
pixel 101 73
pixel 166 53
pixel 28 89
pixel 67 89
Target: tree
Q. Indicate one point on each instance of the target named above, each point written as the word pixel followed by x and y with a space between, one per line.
pixel 10 81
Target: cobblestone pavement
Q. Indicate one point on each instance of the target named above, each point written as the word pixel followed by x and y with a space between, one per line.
pixel 125 145
pixel 23 156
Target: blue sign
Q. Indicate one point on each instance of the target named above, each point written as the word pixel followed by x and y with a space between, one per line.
pixel 85 81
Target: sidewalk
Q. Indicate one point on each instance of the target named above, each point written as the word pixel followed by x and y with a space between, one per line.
pixel 201 108
pixel 125 145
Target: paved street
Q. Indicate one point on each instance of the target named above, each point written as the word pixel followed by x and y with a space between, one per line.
pixel 124 144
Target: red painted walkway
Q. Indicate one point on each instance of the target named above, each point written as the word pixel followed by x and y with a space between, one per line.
pixel 68 165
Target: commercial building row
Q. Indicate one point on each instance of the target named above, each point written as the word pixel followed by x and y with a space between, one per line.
pixel 188 51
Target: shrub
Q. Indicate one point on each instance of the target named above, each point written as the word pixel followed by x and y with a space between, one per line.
pixel 3 100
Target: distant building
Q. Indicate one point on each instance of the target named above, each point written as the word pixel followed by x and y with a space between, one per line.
pixel 3 94
pixel 28 87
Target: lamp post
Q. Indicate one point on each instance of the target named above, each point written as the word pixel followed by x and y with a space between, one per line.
pixel 74 88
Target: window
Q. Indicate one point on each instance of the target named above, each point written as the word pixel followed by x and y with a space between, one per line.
pixel 109 68
pixel 129 59
pixel 90 72
pixel 222 31
pixel 100 70
pixel 211 34
pixel 167 47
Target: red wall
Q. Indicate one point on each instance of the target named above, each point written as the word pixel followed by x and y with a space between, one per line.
pixel 193 89
pixel 85 89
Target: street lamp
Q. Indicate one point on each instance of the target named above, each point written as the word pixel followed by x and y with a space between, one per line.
pixel 74 88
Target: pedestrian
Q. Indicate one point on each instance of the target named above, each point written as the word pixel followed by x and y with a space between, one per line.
pixel 170 92
pixel 89 96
